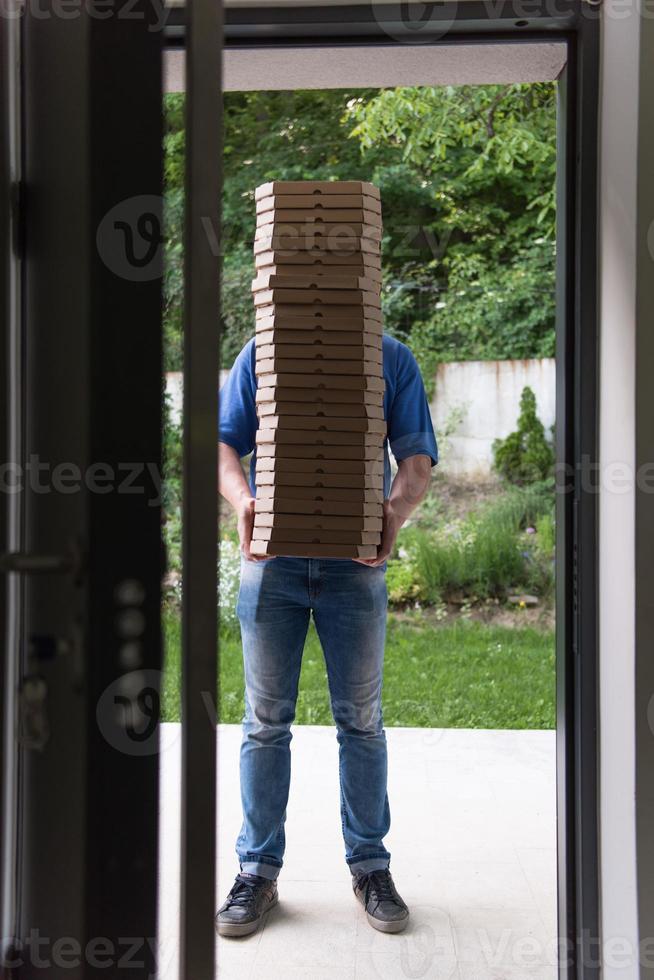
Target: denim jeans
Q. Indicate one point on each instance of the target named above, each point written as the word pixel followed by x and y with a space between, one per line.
pixel 348 601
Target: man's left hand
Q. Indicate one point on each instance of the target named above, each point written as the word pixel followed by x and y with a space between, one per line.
pixel 392 522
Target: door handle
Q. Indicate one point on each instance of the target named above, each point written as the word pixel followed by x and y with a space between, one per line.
pixel 33 564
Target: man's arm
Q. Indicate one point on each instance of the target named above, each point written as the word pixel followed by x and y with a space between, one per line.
pixel 409 488
pixel 234 488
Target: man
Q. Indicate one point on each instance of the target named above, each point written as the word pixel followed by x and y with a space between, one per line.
pixel 348 601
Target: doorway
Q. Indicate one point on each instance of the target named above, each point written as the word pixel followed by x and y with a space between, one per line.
pixel 294 47
pixel 248 32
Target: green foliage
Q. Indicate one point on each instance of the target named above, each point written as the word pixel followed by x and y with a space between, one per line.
pixel 484 555
pixel 467 183
pixel 478 558
pixel 486 158
pixel 174 144
pixel 402 581
pixel 525 455
pixel 545 535
pixel 172 491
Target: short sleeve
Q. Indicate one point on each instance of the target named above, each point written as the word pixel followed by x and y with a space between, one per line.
pixel 237 412
pixel 410 429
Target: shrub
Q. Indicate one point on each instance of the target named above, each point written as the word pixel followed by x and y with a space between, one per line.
pixel 522 507
pixel 525 456
pixel 485 555
pixel 229 576
pixel 402 581
pixel 479 556
pixel 545 535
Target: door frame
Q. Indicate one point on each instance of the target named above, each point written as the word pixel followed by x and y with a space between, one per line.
pixel 577 23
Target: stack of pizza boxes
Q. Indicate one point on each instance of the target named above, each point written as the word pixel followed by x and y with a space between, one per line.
pixel 320 384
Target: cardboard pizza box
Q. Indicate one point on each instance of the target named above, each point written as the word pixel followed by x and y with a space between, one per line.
pixel 330 451
pixel 325 273
pixel 294 550
pixel 289 505
pixel 319 495
pixel 298 443
pixel 329 202
pixel 294 243
pixel 318 351
pixel 348 330
pixel 323 367
pixel 315 523
pixel 371 309
pixel 320 481
pixel 316 188
pixel 313 295
pixel 326 280
pixel 320 397
pixel 320 410
pixel 318 364
pixel 330 234
pixel 318 214
pixel 367 262
pixel 337 224
pixel 321 339
pixel 276 464
pixel 310 537
pixel 322 424
pixel 323 317
pixel 334 382
pixel 328 274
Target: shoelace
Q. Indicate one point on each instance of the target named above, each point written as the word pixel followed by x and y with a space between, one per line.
pixel 380 885
pixel 243 892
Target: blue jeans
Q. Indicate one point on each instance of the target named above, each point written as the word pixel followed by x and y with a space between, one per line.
pixel 275 602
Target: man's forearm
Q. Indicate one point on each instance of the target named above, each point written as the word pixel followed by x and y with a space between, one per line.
pixel 235 488
pixel 409 487
pixel 231 478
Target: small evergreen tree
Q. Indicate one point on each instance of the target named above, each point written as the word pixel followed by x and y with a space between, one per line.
pixel 525 456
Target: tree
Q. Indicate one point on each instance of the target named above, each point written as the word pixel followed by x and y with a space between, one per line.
pixel 467 183
pixel 525 456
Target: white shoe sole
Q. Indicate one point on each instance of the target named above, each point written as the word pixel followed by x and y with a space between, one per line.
pixel 384 925
pixel 390 925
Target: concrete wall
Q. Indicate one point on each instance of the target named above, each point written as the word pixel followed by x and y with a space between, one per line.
pixel 476 402
pixel 175 392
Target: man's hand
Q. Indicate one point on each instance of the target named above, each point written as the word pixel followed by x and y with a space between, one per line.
pixel 245 522
pixel 235 488
pixel 392 522
pixel 409 487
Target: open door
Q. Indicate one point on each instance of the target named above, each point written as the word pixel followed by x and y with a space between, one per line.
pixel 81 550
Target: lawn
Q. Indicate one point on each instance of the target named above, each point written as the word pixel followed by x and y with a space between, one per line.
pixel 461 675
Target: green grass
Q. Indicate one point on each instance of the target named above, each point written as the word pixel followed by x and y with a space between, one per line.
pixel 466 675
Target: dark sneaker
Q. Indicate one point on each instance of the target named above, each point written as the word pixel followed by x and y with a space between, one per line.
pixel 385 909
pixel 250 898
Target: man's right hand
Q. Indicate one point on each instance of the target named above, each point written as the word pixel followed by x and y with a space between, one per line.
pixel 235 488
pixel 245 523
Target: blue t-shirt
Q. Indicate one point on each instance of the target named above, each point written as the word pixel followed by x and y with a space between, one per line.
pixel 406 410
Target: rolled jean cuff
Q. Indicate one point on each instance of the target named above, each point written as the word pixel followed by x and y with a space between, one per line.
pixel 369 864
pixel 263 870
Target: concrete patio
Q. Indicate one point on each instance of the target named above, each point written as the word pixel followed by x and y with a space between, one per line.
pixel 478 805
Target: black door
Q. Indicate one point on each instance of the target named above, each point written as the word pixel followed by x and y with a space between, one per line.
pixel 81 527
